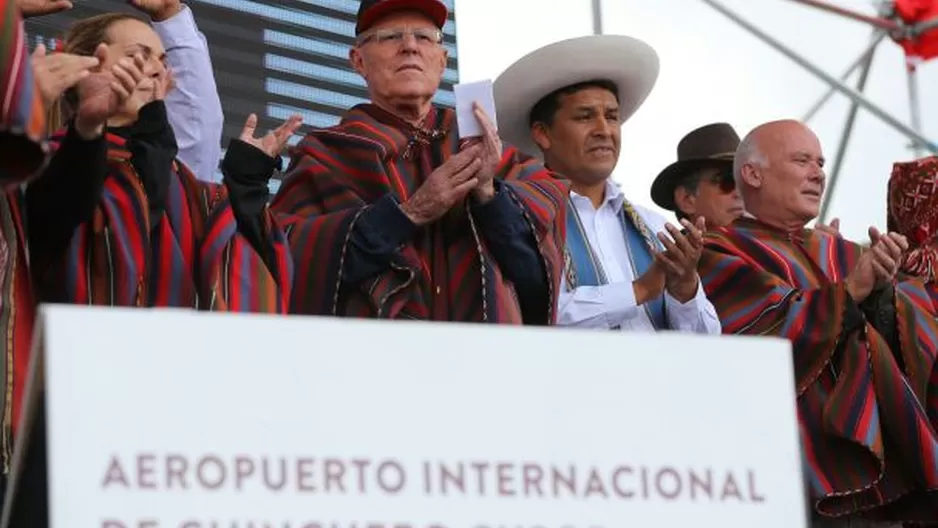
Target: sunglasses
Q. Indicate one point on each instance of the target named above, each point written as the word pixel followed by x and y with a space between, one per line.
pixel 724 180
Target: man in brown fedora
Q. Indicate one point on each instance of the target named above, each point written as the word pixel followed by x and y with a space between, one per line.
pixel 700 183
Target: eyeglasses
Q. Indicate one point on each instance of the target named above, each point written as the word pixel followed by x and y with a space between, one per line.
pixel 426 36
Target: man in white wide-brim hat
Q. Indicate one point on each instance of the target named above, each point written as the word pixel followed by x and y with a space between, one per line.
pixel 625 267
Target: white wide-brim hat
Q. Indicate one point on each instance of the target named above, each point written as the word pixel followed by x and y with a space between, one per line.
pixel 628 62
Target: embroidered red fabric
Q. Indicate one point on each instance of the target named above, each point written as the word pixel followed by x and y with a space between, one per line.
pixel 925 46
pixel 913 212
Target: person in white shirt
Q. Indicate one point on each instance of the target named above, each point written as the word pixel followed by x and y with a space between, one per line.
pixel 626 268
pixel 193 108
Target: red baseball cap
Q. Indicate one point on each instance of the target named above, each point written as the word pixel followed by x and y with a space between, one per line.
pixel 371 10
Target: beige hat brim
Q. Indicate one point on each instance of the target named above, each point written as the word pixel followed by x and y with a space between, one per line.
pixel 626 61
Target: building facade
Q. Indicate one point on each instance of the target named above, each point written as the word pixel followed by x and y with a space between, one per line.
pixel 272 58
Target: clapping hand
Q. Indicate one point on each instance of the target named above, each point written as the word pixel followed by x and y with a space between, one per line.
pixel 274 141
pixel 58 72
pixel 34 8
pixel 158 10
pixel 887 250
pixel 680 258
pixel 164 84
pixel 445 186
pixel 877 265
pixel 102 95
pixel 490 155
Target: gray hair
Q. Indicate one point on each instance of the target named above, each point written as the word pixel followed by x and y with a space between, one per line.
pixel 747 153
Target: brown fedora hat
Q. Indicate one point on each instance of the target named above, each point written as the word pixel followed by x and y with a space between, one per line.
pixel 710 145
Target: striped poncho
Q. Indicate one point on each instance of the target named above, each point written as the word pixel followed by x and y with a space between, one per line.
pixel 22 152
pixel 191 256
pixel 867 412
pixel 22 116
pixel 336 173
pixel 17 317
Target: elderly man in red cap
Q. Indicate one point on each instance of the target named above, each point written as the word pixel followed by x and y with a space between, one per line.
pixel 391 215
pixel 864 339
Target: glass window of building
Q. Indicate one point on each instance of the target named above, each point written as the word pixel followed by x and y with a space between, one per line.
pixel 272 58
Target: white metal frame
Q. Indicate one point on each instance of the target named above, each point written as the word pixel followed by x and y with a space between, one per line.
pixel 886 23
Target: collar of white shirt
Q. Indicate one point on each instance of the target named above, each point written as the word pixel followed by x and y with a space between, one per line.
pixel 614 196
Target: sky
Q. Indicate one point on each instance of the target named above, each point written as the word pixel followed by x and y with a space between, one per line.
pixel 714 70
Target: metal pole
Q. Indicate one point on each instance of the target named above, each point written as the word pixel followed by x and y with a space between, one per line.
pixel 844 140
pixel 882 23
pixel 924 27
pixel 878 37
pixel 915 112
pixel 829 79
pixel 597 17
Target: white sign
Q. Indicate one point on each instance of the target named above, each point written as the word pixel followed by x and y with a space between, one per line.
pixel 176 419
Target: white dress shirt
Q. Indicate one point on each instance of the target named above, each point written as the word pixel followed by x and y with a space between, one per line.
pixel 614 304
pixel 193 107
